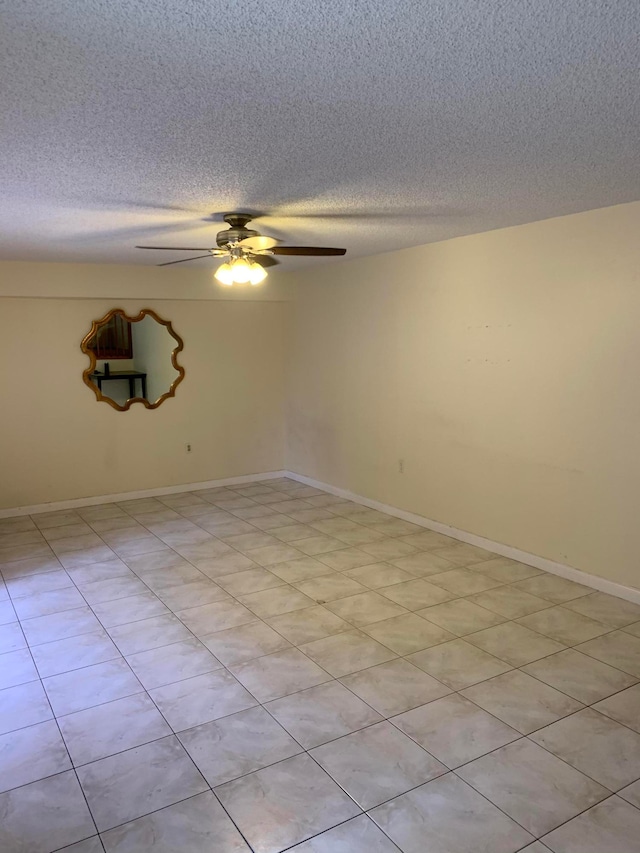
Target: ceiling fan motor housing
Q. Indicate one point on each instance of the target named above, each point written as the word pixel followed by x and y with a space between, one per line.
pixel 238 230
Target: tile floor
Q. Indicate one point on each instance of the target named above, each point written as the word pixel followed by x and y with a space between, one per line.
pixel 268 667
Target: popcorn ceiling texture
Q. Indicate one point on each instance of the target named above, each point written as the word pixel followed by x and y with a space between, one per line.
pixel 137 120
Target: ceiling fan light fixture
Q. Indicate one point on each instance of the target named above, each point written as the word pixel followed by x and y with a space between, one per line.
pixel 241 270
pixel 224 274
pixel 257 274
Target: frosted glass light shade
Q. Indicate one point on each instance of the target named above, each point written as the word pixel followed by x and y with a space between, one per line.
pixel 257 274
pixel 224 274
pixel 241 270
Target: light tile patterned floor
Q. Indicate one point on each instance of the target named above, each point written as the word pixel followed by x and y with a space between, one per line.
pixel 267 667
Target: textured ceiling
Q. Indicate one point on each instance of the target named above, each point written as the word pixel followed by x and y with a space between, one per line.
pixel 124 121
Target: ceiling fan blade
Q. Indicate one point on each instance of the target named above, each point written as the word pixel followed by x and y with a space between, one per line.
pixel 259 243
pixel 265 260
pixel 178 248
pixel 168 263
pixel 307 250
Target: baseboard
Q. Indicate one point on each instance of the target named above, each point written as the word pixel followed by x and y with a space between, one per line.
pixel 563 571
pixel 143 493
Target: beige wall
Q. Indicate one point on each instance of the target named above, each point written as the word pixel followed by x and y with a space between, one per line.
pixel 58 443
pixel 504 368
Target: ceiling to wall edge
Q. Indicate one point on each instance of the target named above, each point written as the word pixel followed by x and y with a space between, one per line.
pixel 280 286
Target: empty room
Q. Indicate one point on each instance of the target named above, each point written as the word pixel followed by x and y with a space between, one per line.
pixel 319 426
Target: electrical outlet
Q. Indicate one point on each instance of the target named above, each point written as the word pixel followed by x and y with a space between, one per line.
pixel 187 447
pixel 400 466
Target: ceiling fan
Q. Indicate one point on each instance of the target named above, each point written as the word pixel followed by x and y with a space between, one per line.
pixel 247 252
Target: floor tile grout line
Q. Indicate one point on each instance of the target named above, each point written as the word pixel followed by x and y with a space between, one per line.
pixel 337 679
pixel 527 736
pixel 205 780
pixel 597 660
pixel 64 742
pixel 415 787
pixel 424 617
pixel 222 806
pixel 540 837
pixel 13 598
pixel 537 837
pixel 69 846
pixel 568 763
pixel 521 736
pixel 307 751
pixel 198 639
pixel 273 764
pixel 170 805
pixel 342 823
pixel 533 630
pixel 77 668
pixel 626 672
pixel 564 717
pixel 258 620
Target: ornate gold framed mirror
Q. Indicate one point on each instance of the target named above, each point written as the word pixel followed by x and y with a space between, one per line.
pixel 132 359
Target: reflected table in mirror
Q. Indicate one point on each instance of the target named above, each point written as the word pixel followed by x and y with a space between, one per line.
pixel 130 375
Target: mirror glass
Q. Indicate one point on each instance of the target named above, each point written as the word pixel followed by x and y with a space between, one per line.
pixel 133 359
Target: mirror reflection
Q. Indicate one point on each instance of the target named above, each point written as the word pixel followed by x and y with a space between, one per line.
pixel 133 359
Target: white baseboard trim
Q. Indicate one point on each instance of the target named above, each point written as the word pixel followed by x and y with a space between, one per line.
pixel 143 493
pixel 577 575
